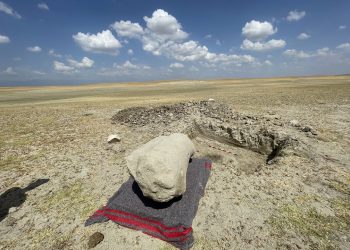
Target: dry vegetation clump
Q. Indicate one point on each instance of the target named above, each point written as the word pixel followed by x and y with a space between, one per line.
pixel 321 231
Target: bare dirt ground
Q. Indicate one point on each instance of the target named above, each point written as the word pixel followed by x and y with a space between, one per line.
pixel 280 147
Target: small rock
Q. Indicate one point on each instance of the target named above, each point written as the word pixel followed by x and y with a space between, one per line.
pixel 11 221
pixel 95 239
pixel 294 123
pixel 12 209
pixel 278 124
pixel 309 129
pixel 211 100
pixel 306 129
pixel 113 138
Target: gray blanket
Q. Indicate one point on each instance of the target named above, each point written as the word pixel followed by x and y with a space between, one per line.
pixel 170 221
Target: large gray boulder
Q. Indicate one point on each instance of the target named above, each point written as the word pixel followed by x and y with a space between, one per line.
pixel 160 166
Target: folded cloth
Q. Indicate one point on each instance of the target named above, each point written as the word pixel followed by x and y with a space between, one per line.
pixel 169 221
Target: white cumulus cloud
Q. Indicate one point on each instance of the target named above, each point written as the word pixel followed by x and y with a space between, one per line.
pixel 61 67
pixel 73 65
pixel 4 39
pixel 127 65
pixel 127 68
pixel 256 34
pixel 256 30
pixel 295 15
pixel 165 26
pixel 162 30
pixel 186 51
pixel 34 49
pixel 53 53
pixel 268 62
pixel 344 46
pixel 40 73
pixel 102 42
pixel 43 6
pixel 296 53
pixel 130 52
pixel 84 63
pixel 235 59
pixel 302 54
pixel 128 29
pixel 323 52
pixel 9 10
pixel 303 36
pixel 176 65
pixel 263 46
pixel 164 36
pixel 342 27
pixel 10 71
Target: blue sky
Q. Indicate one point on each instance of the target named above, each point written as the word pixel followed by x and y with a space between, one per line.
pixel 68 42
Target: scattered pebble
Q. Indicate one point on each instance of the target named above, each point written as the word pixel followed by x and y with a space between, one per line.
pixel 113 138
pixel 95 239
pixel 12 210
pixel 294 123
pixel 310 129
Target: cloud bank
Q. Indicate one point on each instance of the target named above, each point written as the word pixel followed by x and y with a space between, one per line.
pixel 102 42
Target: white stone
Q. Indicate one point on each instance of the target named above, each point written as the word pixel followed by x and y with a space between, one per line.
pixel 113 138
pixel 12 210
pixel 160 166
pixel 294 123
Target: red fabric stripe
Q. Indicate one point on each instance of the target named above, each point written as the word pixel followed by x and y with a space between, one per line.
pixel 165 239
pixel 148 227
pixel 141 218
pixel 208 165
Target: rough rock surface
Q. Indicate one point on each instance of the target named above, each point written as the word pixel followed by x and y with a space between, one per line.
pixel 160 166
pixel 266 135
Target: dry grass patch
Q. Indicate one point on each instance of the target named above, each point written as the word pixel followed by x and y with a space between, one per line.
pixel 320 231
pixel 71 197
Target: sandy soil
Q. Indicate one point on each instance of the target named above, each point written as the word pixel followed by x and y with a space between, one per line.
pixel 301 201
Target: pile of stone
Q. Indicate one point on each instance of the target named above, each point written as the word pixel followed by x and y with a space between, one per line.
pixel 160 166
pixel 166 114
pixel 141 116
pixel 267 135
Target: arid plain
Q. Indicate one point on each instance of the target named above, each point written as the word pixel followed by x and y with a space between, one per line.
pixel 300 201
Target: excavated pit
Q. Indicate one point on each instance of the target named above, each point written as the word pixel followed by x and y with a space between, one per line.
pixel 217 122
